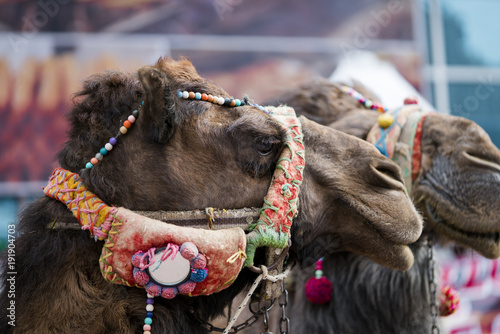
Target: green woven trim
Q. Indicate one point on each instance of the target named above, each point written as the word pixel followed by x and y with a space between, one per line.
pixel 108 273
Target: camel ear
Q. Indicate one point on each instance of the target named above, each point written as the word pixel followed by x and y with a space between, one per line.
pixel 158 112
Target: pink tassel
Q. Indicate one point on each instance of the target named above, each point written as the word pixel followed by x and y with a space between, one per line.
pixel 318 288
pixel 449 301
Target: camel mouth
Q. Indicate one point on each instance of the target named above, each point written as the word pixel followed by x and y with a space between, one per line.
pixel 483 242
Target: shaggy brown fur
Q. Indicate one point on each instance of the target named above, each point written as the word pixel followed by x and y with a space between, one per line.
pixel 184 155
pixel 458 191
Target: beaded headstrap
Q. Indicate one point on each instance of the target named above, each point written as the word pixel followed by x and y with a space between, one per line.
pixel 113 140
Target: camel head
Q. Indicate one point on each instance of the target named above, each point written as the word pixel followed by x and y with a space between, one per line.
pixel 187 154
pixel 458 188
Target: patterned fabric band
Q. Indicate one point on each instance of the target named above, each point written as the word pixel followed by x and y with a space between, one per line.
pixel 401 140
pixel 92 213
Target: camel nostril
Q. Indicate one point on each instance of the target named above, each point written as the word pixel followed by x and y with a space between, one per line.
pixel 482 162
pixel 388 175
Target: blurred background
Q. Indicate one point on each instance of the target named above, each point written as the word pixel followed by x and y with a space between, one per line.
pixel 446 50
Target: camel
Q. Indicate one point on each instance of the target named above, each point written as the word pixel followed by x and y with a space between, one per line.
pixel 458 192
pixel 184 151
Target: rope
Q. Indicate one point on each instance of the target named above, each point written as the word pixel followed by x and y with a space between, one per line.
pixel 264 276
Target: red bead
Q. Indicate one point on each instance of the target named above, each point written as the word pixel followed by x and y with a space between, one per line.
pixel 411 100
pixel 127 124
pixel 232 104
pixel 204 97
pixel 94 161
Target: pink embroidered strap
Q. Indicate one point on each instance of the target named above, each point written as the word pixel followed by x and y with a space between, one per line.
pixel 90 211
pixel 272 229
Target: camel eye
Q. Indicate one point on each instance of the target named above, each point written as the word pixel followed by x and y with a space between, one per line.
pixel 266 145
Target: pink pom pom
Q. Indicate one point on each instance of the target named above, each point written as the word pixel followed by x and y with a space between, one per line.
pixel 140 277
pixel 189 250
pixel 153 289
pixel 187 287
pixel 199 262
pixel 169 293
pixel 136 259
pixel 318 290
pixel 449 301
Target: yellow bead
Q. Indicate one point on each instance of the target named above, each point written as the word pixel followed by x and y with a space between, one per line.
pixel 385 120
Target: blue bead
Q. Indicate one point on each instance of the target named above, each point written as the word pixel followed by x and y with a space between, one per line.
pixel 142 103
pixel 148 321
pixel 103 151
pixel 197 96
pixel 179 94
pixel 89 165
pixel 238 102
pixel 150 315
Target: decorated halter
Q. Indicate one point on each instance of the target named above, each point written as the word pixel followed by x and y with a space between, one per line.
pixel 397 134
pixel 167 259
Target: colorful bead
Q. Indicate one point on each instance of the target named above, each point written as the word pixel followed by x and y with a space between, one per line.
pixel 112 141
pixel 150 301
pixel 147 332
pixel 150 307
pixel 148 321
pixel 385 120
pixel 146 327
pixel 364 101
pixel 223 101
